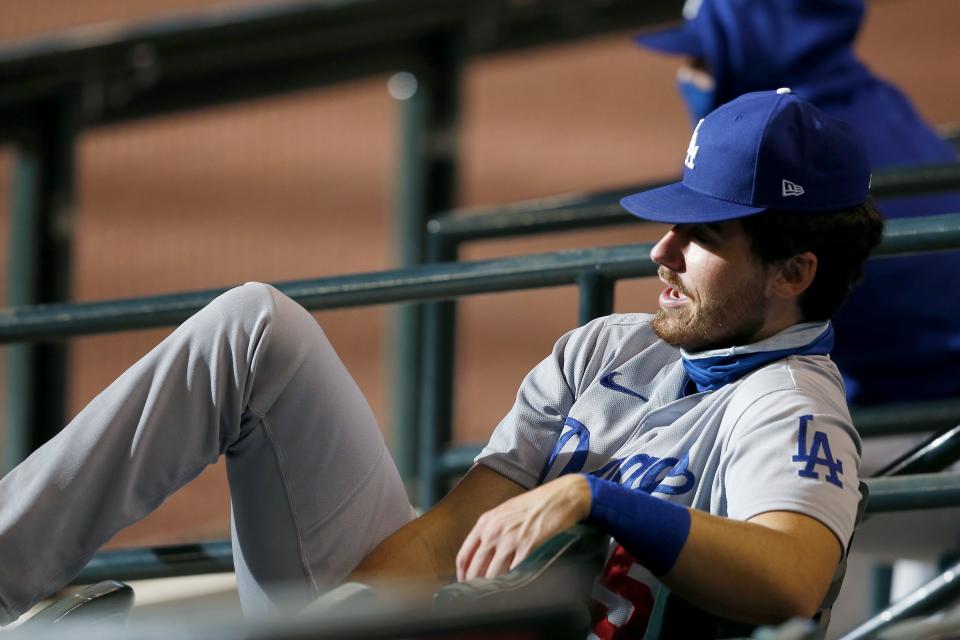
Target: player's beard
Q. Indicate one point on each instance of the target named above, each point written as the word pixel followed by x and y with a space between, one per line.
pixel 722 319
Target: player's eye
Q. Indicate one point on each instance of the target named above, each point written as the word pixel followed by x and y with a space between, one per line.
pixel 706 234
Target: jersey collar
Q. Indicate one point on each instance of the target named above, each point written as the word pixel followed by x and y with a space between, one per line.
pixel 710 370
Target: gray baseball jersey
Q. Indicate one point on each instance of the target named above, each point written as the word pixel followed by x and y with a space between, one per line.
pixel 609 401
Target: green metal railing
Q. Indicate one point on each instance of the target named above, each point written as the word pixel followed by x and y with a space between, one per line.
pixel 204 59
pixel 421 283
pixel 939 452
pixel 149 563
pixel 577 211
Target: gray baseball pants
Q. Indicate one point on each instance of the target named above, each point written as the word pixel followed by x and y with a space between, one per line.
pixel 251 377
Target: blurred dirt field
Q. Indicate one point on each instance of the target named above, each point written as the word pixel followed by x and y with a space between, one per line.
pixel 300 186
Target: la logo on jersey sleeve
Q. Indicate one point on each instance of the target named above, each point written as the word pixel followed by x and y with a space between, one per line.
pixel 815 454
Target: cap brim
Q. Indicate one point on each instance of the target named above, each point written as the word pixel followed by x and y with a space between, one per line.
pixel 676 204
pixel 679 40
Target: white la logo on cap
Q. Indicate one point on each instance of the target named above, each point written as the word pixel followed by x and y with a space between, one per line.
pixel 693 149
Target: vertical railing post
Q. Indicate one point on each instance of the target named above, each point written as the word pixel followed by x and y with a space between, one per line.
pixel 880 585
pixel 405 336
pixel 41 234
pixel 436 413
pixel 427 183
pixel 596 296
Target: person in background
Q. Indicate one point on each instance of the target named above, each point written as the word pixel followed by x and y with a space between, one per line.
pixel 898 335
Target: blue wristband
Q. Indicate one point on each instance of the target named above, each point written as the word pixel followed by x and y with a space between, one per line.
pixel 652 530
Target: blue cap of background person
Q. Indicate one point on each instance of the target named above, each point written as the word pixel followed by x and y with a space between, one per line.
pixel 764 150
pixel 755 45
pixel 680 40
pixel 796 25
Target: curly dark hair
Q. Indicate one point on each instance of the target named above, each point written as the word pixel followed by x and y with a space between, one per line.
pixel 841 240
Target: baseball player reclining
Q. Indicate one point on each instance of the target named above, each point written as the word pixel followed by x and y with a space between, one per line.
pixel 711 440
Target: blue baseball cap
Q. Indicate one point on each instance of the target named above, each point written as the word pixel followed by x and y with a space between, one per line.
pixel 680 39
pixel 764 150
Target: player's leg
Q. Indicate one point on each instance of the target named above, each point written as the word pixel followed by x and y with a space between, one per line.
pixel 314 488
pixel 221 383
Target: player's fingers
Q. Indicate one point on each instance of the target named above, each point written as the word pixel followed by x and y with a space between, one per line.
pixel 479 562
pixel 500 563
pixel 519 556
pixel 465 556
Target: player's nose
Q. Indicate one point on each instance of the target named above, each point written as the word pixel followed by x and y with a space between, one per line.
pixel 668 251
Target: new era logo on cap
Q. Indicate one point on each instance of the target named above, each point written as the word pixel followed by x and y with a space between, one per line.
pixel 739 154
pixel 791 189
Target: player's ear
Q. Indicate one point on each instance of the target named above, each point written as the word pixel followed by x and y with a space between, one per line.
pixel 793 276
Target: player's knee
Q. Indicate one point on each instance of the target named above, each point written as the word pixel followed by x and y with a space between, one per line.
pixel 258 295
pixel 252 298
pixel 247 305
pixel 255 308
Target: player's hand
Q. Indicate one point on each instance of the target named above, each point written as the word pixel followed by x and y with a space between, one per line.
pixel 504 536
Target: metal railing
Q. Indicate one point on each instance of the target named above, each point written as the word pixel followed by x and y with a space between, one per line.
pixel 203 59
pixel 576 211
